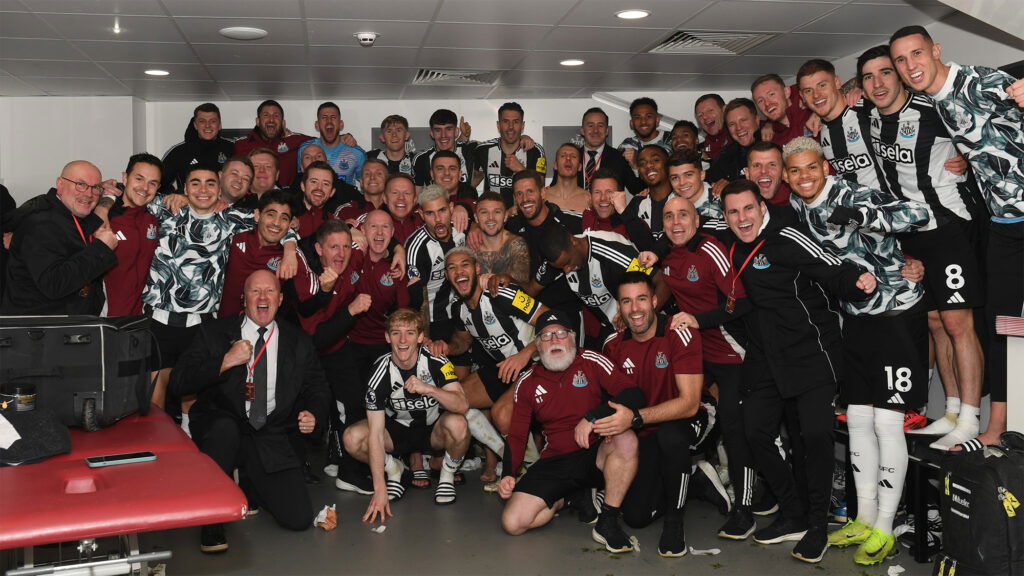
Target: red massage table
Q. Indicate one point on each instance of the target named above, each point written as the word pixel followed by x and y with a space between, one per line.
pixel 61 499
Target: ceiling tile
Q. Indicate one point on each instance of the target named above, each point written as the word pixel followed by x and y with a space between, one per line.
pixel 470 59
pixel 761 65
pixel 154 52
pixel 169 86
pixel 518 92
pixel 757 16
pixel 133 28
pixel 865 18
pixel 136 7
pixel 264 90
pixel 371 75
pixel 664 13
pixel 818 45
pixel 443 92
pixel 600 39
pixel 549 78
pixel 264 73
pixel 279 31
pixel 411 10
pixel 81 87
pixel 252 54
pixel 52 69
pixel 137 71
pixel 325 90
pixel 12 6
pixel 24 25
pixel 499 36
pixel 357 55
pixel 38 49
pixel 340 32
pixel 640 81
pixel 222 9
pixel 518 12
pixel 11 86
pixel 592 61
pixel 675 63
pixel 720 82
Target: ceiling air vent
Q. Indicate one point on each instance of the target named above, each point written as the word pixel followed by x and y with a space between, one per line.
pixel 454 77
pixel 710 43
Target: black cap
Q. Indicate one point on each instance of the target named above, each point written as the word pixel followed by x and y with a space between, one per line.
pixel 552 317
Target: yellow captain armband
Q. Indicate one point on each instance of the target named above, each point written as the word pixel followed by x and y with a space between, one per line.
pixel 635 266
pixel 524 302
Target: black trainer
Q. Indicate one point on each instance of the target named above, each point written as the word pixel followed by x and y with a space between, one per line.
pixel 739 526
pixel 584 501
pixel 673 540
pixel 706 485
pixel 811 548
pixel 351 480
pixel 212 539
pixel 782 530
pixel 608 532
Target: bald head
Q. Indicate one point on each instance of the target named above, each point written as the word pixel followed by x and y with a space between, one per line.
pixel 263 297
pixel 680 220
pixel 79 187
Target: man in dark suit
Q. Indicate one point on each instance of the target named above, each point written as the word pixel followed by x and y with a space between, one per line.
pixel 257 380
pixel 597 154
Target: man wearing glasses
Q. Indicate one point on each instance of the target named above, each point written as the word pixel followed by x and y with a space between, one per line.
pixel 60 249
pixel 564 395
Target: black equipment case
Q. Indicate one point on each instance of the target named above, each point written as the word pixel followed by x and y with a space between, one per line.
pixel 90 371
pixel 982 518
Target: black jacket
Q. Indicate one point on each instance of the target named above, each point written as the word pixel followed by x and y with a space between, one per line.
pixel 301 385
pixel 49 264
pixel 731 164
pixel 794 326
pixel 194 150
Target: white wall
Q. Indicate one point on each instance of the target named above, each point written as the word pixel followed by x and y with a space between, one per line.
pixel 41 135
pixel 166 120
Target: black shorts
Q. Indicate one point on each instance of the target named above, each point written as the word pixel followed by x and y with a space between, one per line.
pixel 1005 296
pixel 554 478
pixel 487 370
pixel 171 341
pixel 408 439
pixel 886 359
pixel 953 278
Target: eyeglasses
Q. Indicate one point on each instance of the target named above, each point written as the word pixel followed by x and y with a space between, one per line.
pixel 556 334
pixel 83 187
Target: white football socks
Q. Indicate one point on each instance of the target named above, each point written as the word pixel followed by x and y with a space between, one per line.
pixel 860 421
pixel 892 465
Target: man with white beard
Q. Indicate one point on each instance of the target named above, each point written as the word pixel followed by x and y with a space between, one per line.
pixel 564 395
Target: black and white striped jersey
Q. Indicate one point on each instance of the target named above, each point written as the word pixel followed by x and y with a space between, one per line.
pixel 490 159
pixel 632 142
pixel 911 146
pixel 466 152
pixel 499 324
pixel 394 167
pixel 424 256
pixel 386 389
pixel 847 145
pixel 609 256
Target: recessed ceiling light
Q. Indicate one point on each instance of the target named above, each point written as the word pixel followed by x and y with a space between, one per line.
pixel 117 26
pixel 633 14
pixel 243 33
pixel 155 72
pixel 572 62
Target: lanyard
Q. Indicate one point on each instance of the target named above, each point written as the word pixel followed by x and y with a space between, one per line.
pixel 262 350
pixel 80 232
pixel 730 302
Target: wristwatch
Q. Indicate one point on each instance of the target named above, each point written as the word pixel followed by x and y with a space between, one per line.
pixel 638 420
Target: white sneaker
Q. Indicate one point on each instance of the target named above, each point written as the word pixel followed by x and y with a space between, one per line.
pixel 940 427
pixel 331 470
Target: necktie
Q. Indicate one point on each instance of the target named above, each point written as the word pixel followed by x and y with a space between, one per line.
pixel 258 408
pixel 591 167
